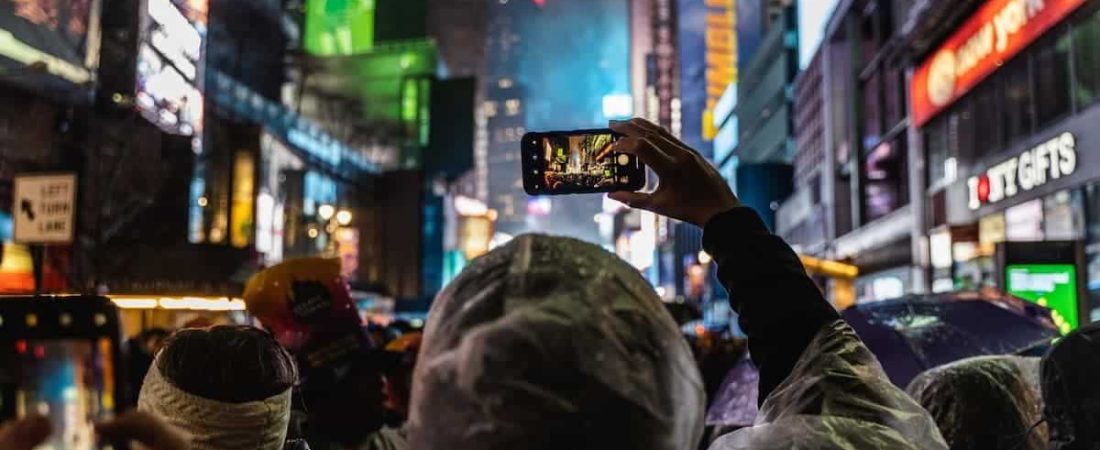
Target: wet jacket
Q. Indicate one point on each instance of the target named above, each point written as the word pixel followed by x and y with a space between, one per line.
pixel 552 343
pixel 820 387
pixel 986 402
pixel 1071 393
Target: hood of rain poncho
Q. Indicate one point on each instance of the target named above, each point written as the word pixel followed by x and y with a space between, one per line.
pixel 552 343
pixel 984 402
pixel 1070 390
pixel 837 397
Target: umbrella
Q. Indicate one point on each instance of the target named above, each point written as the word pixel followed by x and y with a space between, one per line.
pixel 735 403
pixel 915 333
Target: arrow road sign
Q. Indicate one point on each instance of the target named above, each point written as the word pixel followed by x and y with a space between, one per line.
pixel 47 206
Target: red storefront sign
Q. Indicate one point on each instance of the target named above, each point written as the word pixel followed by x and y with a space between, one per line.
pixel 999 30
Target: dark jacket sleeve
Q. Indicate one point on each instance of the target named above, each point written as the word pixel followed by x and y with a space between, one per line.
pixel 780 307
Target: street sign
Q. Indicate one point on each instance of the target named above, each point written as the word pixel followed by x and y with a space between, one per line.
pixel 43 208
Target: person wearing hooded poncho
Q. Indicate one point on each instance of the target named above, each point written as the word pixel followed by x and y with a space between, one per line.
pixel 550 343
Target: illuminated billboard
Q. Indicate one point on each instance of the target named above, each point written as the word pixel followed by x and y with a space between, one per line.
pixel 57 35
pixel 721 57
pixel 997 31
pixel 170 64
pixel 339 27
pixel 1051 285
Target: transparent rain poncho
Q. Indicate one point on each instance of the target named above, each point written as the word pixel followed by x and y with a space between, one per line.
pixel 837 397
pixel 551 343
pixel 984 402
pixel 1071 392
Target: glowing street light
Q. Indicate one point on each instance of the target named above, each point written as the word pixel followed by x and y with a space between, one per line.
pixel 326 211
pixel 704 258
pixel 343 217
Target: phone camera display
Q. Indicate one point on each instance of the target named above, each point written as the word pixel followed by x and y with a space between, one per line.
pixel 582 163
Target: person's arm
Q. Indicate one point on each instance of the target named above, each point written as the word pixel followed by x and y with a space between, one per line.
pixel 781 310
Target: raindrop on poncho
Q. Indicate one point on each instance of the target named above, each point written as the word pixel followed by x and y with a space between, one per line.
pixel 551 343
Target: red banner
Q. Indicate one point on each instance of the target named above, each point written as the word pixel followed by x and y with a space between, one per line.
pixel 999 30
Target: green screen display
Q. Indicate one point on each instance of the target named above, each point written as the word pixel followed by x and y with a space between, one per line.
pixel 339 27
pixel 1051 285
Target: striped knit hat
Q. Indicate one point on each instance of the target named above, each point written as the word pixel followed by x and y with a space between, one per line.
pixel 214 425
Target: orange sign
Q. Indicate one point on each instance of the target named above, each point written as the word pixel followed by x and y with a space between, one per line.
pixel 999 30
pixel 721 55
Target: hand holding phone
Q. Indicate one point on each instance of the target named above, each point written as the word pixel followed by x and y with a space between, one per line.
pixel 578 162
pixel 60 360
pixel 689 187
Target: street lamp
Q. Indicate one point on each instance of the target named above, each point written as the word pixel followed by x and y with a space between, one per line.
pixel 343 217
pixel 326 212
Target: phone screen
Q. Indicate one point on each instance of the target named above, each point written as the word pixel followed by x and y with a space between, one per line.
pixel 578 162
pixel 69 381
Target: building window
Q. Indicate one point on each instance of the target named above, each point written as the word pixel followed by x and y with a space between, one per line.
pixel 935 141
pixel 511 107
pixel 1052 78
pixel 1017 100
pixel 987 123
pixel 1086 60
pixel 872 111
pixel 887 184
pixel 505 83
pixel 490 109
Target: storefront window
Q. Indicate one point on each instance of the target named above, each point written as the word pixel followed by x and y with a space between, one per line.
pixel 1086 61
pixel 1017 100
pixel 1092 241
pixel 1051 65
pixel 1063 216
pixel 1024 222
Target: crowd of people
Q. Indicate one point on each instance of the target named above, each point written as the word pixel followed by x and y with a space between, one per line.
pixel 551 343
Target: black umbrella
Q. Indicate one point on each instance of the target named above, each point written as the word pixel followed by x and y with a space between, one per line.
pixel 915 333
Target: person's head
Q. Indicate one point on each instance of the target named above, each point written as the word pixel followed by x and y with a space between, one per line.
pixel 152 340
pixel 552 343
pixel 227 386
pixel 984 402
pixel 1070 392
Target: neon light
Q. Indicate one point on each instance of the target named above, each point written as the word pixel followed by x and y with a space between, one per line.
pixel 19 51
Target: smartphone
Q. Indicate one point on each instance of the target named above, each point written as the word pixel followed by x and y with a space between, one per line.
pixel 60 358
pixel 578 162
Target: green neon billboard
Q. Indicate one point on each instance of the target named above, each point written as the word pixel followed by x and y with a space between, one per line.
pixel 1051 285
pixel 339 27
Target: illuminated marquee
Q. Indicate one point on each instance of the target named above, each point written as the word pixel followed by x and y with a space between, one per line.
pixel 1048 161
pixel 999 30
pixel 721 56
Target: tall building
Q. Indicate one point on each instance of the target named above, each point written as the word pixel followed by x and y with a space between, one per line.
pixel 868 147
pixel 802 220
pixel 503 116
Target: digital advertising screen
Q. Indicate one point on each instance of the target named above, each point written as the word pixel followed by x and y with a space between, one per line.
pixel 1051 285
pixel 52 33
pixel 170 64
